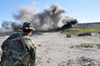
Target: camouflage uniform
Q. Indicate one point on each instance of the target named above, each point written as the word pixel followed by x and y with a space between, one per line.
pixel 18 50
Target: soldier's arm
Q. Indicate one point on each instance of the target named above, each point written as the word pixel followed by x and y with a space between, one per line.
pixel 33 56
pixel 32 51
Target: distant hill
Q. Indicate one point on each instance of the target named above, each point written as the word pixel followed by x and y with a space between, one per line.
pixel 90 25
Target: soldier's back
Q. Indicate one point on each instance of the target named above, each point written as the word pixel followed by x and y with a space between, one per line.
pixel 13 50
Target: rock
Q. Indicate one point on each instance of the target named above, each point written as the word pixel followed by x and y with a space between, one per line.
pixel 68 36
pixel 39 45
pixel 99 32
pixel 84 34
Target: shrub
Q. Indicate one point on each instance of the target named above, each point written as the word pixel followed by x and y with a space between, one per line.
pixel 85 45
pixel 98 45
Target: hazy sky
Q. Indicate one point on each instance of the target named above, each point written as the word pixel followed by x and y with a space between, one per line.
pixel 82 10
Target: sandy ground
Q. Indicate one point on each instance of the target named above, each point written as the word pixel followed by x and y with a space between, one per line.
pixel 53 50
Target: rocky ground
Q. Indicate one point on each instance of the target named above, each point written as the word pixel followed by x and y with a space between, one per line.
pixel 53 50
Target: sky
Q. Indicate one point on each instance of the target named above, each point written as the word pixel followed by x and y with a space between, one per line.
pixel 82 10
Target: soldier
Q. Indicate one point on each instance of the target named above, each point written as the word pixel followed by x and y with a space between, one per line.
pixel 18 49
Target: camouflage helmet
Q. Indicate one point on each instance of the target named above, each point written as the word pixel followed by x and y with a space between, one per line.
pixel 27 26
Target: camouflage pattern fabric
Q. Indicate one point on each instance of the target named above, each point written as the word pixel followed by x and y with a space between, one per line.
pixel 15 53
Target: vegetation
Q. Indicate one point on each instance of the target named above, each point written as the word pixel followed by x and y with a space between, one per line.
pixel 0 53
pixel 85 45
pixel 78 31
pixel 98 45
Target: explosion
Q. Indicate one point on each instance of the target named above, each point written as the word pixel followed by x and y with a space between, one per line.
pixel 53 17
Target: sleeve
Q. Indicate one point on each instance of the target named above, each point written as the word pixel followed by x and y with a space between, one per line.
pixel 32 51
pixel 33 56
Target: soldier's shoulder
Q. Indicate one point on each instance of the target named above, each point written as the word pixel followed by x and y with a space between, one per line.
pixel 15 35
pixel 28 40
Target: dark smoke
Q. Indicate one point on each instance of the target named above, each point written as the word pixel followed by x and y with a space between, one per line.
pixel 15 26
pixel 68 24
pixel 8 26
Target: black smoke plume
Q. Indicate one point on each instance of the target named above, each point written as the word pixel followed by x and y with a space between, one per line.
pixel 15 26
pixel 69 24
pixel 8 26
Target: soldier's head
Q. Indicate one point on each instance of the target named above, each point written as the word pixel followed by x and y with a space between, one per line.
pixel 27 28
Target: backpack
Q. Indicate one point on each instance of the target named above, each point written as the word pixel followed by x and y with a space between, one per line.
pixel 15 52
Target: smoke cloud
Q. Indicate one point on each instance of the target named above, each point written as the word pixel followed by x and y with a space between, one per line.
pixel 8 26
pixel 52 17
pixel 49 19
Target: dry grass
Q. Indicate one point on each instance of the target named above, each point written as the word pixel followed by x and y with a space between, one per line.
pixel 78 31
pixel 85 45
